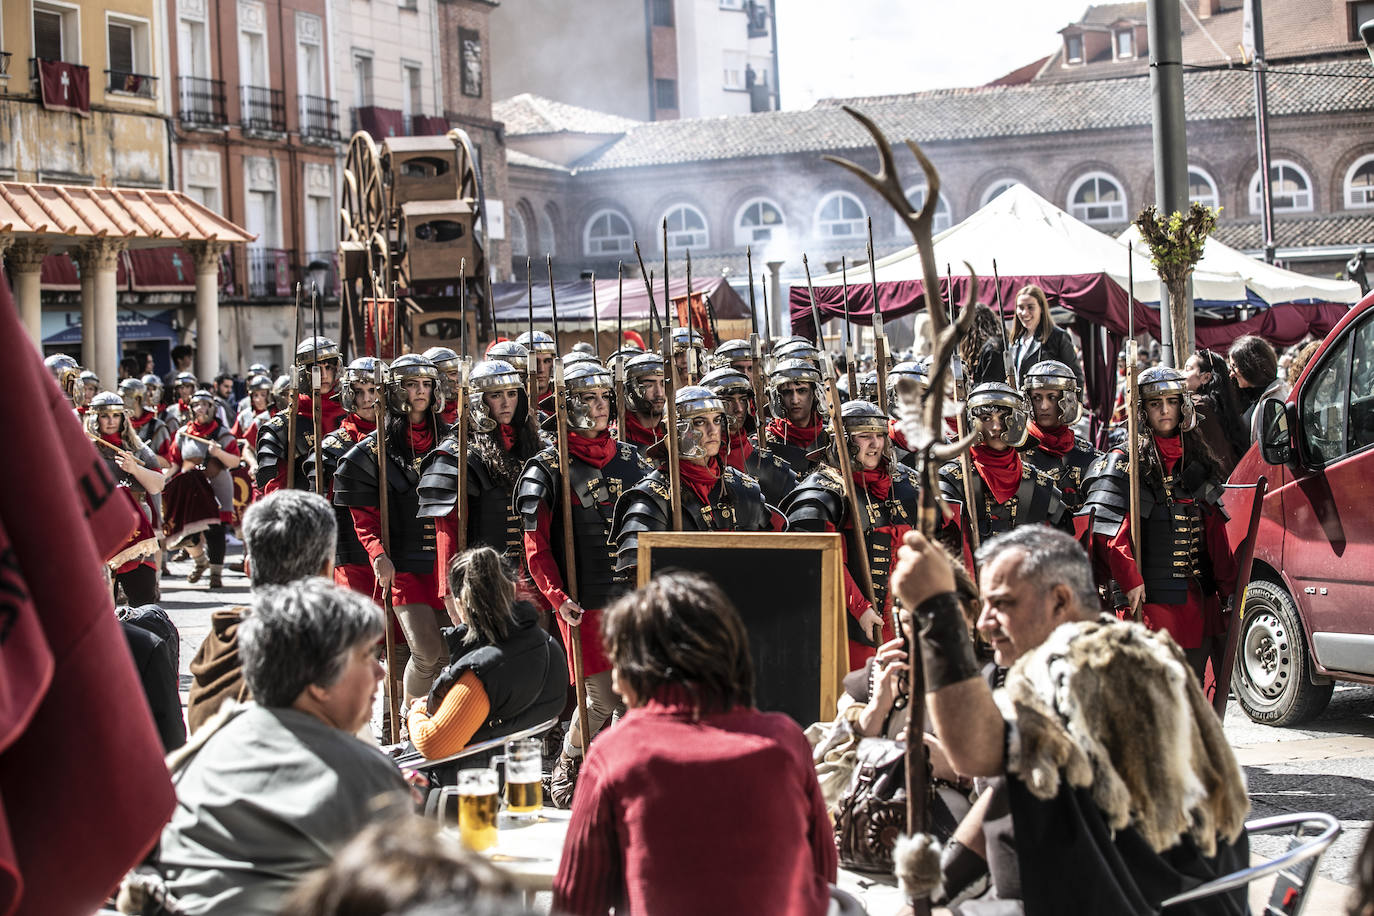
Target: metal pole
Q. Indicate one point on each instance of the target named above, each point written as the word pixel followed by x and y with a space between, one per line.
pixel 1262 128
pixel 1170 142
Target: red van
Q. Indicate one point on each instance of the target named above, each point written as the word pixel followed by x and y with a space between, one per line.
pixel 1308 618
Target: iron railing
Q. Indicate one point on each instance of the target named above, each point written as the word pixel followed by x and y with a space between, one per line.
pixel 269 272
pixel 319 118
pixel 139 84
pixel 263 109
pixel 202 102
pixel 5 63
pixel 327 261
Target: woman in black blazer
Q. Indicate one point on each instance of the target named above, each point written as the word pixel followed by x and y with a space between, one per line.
pixel 1038 338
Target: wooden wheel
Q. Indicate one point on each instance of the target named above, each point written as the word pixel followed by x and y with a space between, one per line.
pixel 364 202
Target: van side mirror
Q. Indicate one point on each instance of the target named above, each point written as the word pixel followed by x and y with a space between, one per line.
pixel 1276 442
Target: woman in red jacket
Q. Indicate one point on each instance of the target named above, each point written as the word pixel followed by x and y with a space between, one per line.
pixel 696 802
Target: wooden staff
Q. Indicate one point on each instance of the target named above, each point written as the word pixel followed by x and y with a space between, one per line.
pixel 670 431
pixel 316 395
pixel 619 342
pixel 531 361
pixel 460 510
pixel 879 336
pixel 848 336
pixel 857 547
pixel 560 409
pixel 383 510
pixel 596 321
pixel 756 354
pixel 293 404
pixel 1010 366
pixel 1132 418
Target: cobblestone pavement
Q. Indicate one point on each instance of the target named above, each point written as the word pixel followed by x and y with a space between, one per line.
pixel 1325 765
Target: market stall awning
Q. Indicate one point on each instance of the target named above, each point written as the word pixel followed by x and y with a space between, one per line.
pixel 575 300
pixel 60 274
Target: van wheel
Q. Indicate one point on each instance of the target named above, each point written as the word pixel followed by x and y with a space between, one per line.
pixel 1272 665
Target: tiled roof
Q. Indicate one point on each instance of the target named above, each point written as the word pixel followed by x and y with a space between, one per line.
pixel 532 114
pixel 1107 13
pixel 1315 232
pixel 1292 29
pixel 516 157
pixel 1328 86
pixel 67 215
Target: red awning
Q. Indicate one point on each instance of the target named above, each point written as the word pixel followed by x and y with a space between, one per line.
pixel 60 274
pixel 161 270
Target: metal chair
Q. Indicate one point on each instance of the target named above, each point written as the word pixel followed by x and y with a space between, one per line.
pixel 413 760
pixel 1294 867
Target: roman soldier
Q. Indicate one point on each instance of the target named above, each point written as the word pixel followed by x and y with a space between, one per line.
pixel 178 413
pixel 134 467
pixel 152 403
pixel 1052 447
pixel 502 436
pixel 797 348
pixel 889 496
pixel 918 370
pixel 144 420
pixel 1005 490
pixel 645 398
pixel 67 373
pixel 775 476
pixel 203 446
pixel 798 425
pixel 415 402
pixel 715 496
pixel 680 348
pixel 733 354
pixel 272 447
pixel 359 397
pixel 1185 568
pixel 256 410
pixel 541 350
pixel 254 370
pixel 450 366
pixel 90 387
pixel 868 386
pixel 600 469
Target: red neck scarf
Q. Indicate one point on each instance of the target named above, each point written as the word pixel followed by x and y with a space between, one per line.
pixel 596 451
pixel 113 439
pixel 1058 441
pixel 1170 451
pixel 740 450
pixel 142 420
pixel 896 436
pixel 331 411
pixel 803 436
pixel 637 433
pixel 878 482
pixel 357 427
pixel 701 479
pixel 1001 471
pixel 204 430
pixel 421 436
pixel 450 414
pixel 506 433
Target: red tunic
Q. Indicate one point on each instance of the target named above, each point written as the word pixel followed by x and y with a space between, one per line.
pixel 636 433
pixel 657 824
pixel 331 416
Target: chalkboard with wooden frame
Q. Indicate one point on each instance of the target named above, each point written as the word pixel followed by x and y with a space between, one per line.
pixel 789 588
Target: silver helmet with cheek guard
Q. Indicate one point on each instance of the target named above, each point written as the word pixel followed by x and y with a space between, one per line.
pixel 412 366
pixel 918 370
pixel 998 396
pixel 696 402
pixel 787 371
pixel 490 376
pixel 134 393
pixel 511 352
pixel 1158 381
pixel 1053 375
pixel 362 369
pixel 638 369
pixel 728 382
pixel 445 360
pixel 584 378
pixel 860 416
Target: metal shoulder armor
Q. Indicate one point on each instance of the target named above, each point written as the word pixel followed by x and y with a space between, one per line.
pixel 538 485
pixel 643 507
pixel 438 487
pixel 817 501
pixel 355 479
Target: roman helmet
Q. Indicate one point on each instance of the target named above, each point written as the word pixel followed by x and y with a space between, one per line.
pixel 798 348
pixel 583 347
pixel 698 344
pixel 868 387
pixel 623 355
pixel 134 392
pixel 861 416
pixel 538 342
pixel 106 404
pixel 730 352
pixel 579 356
pixel 183 380
pixel 1050 373
pixel 918 370
pixel 202 394
pixel 66 371
pixel 580 379
pixel 728 381
pixel 362 369
pixel 509 351
pixel 998 396
pixel 445 360
pixel 494 375
pixel 793 370
pixel 154 385
pixel 259 383
pixel 696 401
pixel 1161 380
pixel 89 380
pixel 638 368
pixel 312 351
pixel 257 369
pixel 412 366
pixel 281 391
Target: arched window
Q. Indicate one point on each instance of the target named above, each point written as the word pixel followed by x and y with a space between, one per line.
pixel 1098 198
pixel 1289 185
pixel 519 235
pixel 759 220
pixel 686 228
pixel 995 190
pixel 1359 184
pixel 917 196
pixel 1201 188
pixel 840 215
pixel 547 237
pixel 608 232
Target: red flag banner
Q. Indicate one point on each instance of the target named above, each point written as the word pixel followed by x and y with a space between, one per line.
pixel 701 318
pixel 379 328
pixel 65 87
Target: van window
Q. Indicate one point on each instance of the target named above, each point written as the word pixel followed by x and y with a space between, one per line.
pixel 1322 410
pixel 1362 388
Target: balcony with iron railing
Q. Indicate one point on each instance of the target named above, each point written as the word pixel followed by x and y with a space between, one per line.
pixel 201 103
pixel 322 269
pixel 319 119
pixel 35 75
pixel 264 110
pixel 5 64
pixel 269 272
pixel 128 83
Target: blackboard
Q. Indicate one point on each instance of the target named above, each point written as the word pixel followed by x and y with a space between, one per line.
pixel 789 588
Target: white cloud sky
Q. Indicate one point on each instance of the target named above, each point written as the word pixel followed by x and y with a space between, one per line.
pixel 828 48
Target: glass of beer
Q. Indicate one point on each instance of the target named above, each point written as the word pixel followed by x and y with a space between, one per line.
pixel 524 778
pixel 477 804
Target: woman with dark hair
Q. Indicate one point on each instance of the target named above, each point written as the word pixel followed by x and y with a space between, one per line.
pixel 982 348
pixel 1255 368
pixel 697 802
pixel 507 673
pixel 1036 337
pixel 1219 413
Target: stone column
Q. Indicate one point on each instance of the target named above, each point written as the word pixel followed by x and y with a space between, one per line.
pixel 25 258
pixel 206 256
pixel 99 263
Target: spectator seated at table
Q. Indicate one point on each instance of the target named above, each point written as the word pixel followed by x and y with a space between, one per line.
pixel 269 791
pixel 508 673
pixel 696 802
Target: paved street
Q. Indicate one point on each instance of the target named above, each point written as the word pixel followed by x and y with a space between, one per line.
pixel 1327 765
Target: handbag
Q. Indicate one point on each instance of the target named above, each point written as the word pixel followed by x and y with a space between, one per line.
pixel 872 813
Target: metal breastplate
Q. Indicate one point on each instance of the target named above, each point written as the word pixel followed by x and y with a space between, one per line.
pixel 594 494
pixel 1172 551
pixel 495 524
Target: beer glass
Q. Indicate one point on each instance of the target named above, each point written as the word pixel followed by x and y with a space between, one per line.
pixel 477 804
pixel 524 762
